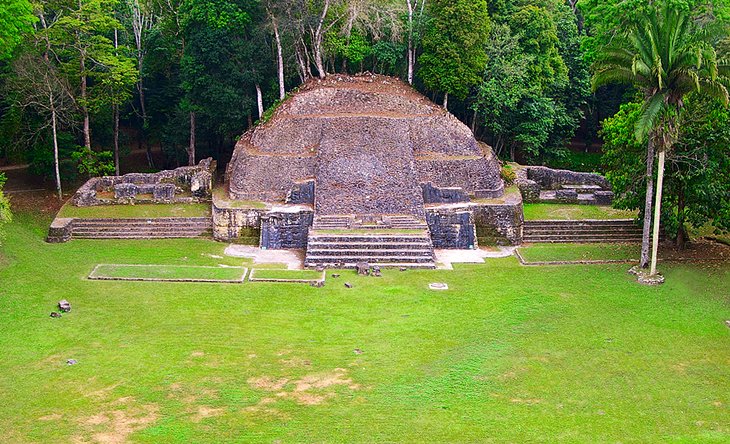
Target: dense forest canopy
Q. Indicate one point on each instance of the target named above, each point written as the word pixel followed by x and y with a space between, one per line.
pixel 82 79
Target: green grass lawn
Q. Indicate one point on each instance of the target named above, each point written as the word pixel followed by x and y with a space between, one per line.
pixel 507 354
pixel 580 252
pixel 543 211
pixel 168 272
pixel 141 211
pixel 268 273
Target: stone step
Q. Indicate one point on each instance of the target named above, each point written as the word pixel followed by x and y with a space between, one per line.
pixel 581 241
pixel 366 245
pixel 421 265
pixel 368 239
pixel 582 235
pixel 80 223
pixel 140 236
pixel 533 231
pixel 315 252
pixel 591 222
pixel 89 233
pixel 371 258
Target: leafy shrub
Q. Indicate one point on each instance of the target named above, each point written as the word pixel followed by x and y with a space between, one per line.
pixel 94 163
pixel 508 174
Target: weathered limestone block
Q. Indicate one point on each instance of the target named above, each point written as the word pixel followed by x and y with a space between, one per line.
pixel 529 189
pixel 301 193
pixel 163 192
pixel 566 196
pixel 604 197
pixel 201 184
pixel 552 179
pixel 285 230
pixel 452 229
pixel 60 230
pixel 125 191
pixel 433 194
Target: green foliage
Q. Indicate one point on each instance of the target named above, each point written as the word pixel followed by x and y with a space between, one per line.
pixel 453 46
pixel 16 20
pixel 94 163
pixel 697 184
pixel 508 174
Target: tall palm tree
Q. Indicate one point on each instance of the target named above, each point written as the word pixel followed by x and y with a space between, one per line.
pixel 666 55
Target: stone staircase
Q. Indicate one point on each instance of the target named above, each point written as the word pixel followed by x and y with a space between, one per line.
pixel 579 231
pixel 157 228
pixel 387 241
pixel 364 222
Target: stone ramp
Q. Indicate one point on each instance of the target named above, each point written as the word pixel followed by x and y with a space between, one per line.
pixel 581 231
pixel 367 167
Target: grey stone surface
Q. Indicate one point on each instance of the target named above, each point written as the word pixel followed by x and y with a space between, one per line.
pixel 301 193
pixel 64 306
pixel 604 197
pixel 452 229
pixel 161 187
pixel 432 194
pixel 285 230
pixel 566 196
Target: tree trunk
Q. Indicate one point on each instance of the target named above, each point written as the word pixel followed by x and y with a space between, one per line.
pixel 446 101
pixel 279 61
pixel 191 147
pixel 85 106
pixel 55 148
pixel 115 115
pixel 410 42
pixel 657 212
pixel 317 36
pixel 474 123
pixel 646 233
pixel 259 100
pixel 115 111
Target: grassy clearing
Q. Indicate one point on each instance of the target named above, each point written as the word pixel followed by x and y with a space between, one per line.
pixel 168 272
pixel 140 211
pixel 303 275
pixel 581 252
pixel 508 353
pixel 574 212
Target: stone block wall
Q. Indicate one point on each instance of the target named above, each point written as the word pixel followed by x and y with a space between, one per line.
pixel 433 194
pixel 285 230
pixel 452 228
pixel 302 193
pixel 499 224
pixel 551 179
pixel 162 187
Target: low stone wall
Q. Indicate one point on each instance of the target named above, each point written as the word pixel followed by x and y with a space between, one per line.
pixel 452 228
pixel 60 231
pixel 231 224
pixel 285 230
pixel 162 187
pixel 550 179
pixel 499 224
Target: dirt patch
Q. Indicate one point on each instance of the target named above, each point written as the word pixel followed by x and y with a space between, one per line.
pixel 115 426
pixel 197 354
pixel 268 383
pixel 206 412
pixel 324 380
pixel 528 401
pixel 308 390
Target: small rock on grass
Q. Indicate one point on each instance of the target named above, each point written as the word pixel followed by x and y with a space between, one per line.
pixel 72 362
pixel 335 275
pixel 64 305
pixel 55 314
pixel 348 285
pixel 358 351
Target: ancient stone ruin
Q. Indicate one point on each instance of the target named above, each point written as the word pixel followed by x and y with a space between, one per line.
pixel 365 169
pixel 182 185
